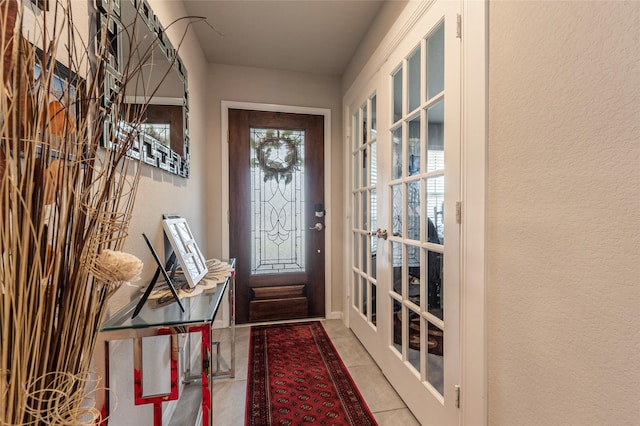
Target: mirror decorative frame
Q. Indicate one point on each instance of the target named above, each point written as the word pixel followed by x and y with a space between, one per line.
pixel 148 149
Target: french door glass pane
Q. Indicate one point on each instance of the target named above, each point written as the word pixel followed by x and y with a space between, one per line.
pixel 435 208
pixel 396 141
pixel 364 169
pixel 397 95
pixel 374 164
pixel 413 68
pixel 356 167
pixel 356 251
pixel 364 296
pixel 413 333
pixel 364 123
pixel 435 62
pixel 413 277
pixel 397 325
pixel 413 148
pixel 374 209
pixel 356 290
pixel 374 119
pixel 365 205
pixel 374 308
pixel 435 356
pixel 364 253
pixel 435 137
pixel 277 201
pixel 396 200
pixel 356 131
pixel 356 210
pixel 374 257
pixel 413 210
pixel 396 254
pixel 434 283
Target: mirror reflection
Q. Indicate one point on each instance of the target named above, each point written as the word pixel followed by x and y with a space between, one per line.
pixel 157 91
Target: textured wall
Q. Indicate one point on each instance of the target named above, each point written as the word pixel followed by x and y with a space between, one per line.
pixel 159 193
pixel 255 85
pixel 563 216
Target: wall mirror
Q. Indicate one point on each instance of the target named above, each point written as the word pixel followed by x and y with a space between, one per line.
pixel 138 41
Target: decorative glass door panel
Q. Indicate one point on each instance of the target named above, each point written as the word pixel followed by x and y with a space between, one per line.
pixel 277 201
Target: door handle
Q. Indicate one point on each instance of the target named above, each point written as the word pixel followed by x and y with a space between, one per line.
pixel 374 233
pixel 382 233
pixel 318 227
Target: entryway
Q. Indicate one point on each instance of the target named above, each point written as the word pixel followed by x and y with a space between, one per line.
pixel 277 214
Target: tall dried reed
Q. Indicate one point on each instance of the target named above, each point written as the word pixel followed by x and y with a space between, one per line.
pixel 65 206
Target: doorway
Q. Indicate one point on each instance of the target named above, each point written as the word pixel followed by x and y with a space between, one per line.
pixel 277 214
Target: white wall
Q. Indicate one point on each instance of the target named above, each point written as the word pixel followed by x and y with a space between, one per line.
pixel 159 191
pixel 255 85
pixel 563 216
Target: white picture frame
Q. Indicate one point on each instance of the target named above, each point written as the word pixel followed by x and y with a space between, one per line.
pixel 191 260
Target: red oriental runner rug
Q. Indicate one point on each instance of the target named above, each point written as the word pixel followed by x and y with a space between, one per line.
pixel 296 377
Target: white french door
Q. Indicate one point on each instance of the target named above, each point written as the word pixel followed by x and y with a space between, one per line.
pixel 405 164
pixel 367 220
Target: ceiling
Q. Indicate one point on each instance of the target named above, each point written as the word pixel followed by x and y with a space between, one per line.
pixel 315 36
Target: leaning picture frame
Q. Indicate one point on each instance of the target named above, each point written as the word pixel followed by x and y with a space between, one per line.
pixel 184 245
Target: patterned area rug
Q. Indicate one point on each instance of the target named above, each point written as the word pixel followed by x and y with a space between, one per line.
pixel 296 377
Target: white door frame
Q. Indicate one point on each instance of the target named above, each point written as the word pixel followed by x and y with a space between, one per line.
pixel 224 137
pixel 474 101
pixel 473 302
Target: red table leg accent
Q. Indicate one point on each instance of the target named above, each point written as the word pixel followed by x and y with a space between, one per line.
pixel 206 369
pixel 157 400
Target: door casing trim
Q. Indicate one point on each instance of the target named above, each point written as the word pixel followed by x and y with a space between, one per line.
pixel 224 132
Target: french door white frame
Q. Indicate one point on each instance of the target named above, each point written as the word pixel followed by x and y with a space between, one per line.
pixel 328 205
pixel 474 106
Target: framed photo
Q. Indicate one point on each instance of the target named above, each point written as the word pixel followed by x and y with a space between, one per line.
pixel 63 99
pixel 41 4
pixel 184 245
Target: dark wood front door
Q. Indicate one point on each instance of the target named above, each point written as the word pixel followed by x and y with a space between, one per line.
pixel 276 224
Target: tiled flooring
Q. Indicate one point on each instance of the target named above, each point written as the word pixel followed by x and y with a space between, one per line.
pixel 383 401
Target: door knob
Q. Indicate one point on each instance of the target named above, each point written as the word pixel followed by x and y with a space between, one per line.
pixel 382 233
pixel 374 233
pixel 318 226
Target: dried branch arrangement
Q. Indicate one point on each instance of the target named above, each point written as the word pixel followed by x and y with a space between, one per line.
pixel 65 206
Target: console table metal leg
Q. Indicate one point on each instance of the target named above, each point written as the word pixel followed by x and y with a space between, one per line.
pixel 231 371
pixel 156 400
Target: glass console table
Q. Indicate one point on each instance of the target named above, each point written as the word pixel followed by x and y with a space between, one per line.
pixel 169 320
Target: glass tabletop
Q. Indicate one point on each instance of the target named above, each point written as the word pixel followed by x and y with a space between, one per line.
pixel 198 309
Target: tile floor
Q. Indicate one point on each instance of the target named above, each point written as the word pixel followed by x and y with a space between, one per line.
pixel 383 401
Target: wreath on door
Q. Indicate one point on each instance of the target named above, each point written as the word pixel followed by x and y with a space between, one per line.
pixel 270 158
